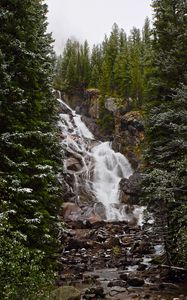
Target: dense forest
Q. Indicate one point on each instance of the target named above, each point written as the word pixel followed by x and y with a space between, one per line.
pixel 147 69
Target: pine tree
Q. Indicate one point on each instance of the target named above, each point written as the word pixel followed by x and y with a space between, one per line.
pixel 31 156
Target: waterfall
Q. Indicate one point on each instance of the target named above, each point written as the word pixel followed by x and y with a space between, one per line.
pixel 99 168
pixel 109 168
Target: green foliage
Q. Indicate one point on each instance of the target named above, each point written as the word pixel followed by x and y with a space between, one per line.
pixel 31 155
pixel 164 184
pixel 73 68
pixel 119 67
pixel 105 120
pixel 23 274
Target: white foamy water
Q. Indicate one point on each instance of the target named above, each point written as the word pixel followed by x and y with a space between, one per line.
pixel 109 168
pixel 101 167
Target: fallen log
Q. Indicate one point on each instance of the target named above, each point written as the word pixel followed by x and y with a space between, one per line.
pixel 173 268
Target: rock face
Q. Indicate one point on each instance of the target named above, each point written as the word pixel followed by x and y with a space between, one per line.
pixel 130 189
pixel 128 124
pixel 129 133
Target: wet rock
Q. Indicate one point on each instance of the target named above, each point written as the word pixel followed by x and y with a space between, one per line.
pixel 129 133
pixel 94 218
pixel 70 211
pixel 73 164
pixel 94 293
pixel 64 109
pixel 142 247
pixel 120 283
pixel 117 290
pixel 91 123
pixel 77 244
pixel 136 282
pixel 123 276
pixel 130 189
pixel 112 242
pixel 168 286
pixel 142 267
pixel 66 293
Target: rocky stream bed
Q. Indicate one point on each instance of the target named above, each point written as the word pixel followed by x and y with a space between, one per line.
pixel 115 260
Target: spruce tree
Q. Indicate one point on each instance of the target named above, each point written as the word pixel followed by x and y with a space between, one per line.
pixel 111 50
pixel 31 156
pixel 136 67
pixel 95 65
pixel 165 178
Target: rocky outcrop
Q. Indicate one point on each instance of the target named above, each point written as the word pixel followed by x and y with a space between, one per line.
pixel 130 189
pixel 129 133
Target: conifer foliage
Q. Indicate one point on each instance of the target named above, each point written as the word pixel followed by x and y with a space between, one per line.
pixel 117 66
pixel 30 192
pixel 166 160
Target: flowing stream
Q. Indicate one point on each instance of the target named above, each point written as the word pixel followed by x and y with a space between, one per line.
pixel 100 168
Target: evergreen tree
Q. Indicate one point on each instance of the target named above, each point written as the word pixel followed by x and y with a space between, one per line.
pixel 136 67
pixel 122 76
pixel 31 158
pixel 85 64
pixel 165 178
pixel 95 65
pixel 111 50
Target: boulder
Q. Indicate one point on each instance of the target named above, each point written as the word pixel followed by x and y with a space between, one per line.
pixel 130 189
pixel 94 293
pixel 137 282
pixel 111 104
pixel 71 211
pixel 77 244
pixel 120 283
pixel 66 293
pixel 73 164
pixel 132 121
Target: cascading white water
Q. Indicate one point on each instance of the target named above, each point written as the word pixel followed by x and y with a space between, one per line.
pixel 101 167
pixel 109 168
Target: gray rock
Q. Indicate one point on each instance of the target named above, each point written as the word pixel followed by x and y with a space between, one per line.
pixel 120 283
pixel 66 293
pixel 130 189
pixel 110 104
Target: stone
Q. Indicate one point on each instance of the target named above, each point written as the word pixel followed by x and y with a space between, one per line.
pixel 77 244
pixel 142 267
pixel 123 276
pixel 70 211
pixel 66 293
pixel 142 247
pixel 120 283
pixel 137 282
pixel 94 293
pixel 110 104
pixel 73 164
pixel 130 189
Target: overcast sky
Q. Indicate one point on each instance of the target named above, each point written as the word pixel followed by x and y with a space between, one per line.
pixel 91 19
